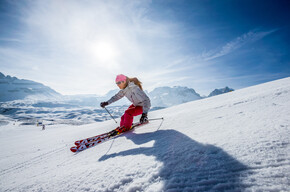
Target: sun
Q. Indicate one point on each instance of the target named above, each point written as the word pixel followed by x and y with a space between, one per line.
pixel 105 52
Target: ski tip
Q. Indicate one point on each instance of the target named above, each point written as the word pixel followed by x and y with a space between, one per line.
pixel 74 149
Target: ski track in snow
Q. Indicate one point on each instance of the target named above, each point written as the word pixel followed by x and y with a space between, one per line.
pixel 238 141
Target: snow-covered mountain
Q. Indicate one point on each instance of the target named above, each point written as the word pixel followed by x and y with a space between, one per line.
pixel 232 142
pixel 13 88
pixel 220 91
pixel 167 96
pixel 29 102
pixel 160 97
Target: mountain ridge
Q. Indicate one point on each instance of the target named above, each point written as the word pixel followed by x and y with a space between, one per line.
pixel 13 88
pixel 220 91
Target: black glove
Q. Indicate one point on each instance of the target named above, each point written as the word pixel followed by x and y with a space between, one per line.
pixel 104 104
pixel 144 118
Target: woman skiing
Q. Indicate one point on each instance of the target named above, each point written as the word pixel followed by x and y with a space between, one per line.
pixel 132 89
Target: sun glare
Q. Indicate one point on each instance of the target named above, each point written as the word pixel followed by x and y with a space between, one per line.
pixel 105 52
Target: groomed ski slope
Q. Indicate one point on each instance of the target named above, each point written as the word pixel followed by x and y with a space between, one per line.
pixel 238 141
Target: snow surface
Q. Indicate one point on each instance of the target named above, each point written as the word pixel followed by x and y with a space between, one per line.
pixel 237 141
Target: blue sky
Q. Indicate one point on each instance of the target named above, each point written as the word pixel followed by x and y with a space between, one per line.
pixel 78 47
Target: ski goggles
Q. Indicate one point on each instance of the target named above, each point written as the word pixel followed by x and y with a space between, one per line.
pixel 119 82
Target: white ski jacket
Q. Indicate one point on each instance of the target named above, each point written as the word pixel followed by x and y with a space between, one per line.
pixel 135 95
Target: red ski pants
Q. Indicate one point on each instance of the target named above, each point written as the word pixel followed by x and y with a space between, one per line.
pixel 127 118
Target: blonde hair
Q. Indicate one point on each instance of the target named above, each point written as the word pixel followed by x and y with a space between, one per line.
pixel 135 80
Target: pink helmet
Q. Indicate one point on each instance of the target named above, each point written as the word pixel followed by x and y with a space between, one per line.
pixel 121 77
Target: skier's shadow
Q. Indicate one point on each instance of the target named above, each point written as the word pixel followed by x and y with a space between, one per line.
pixel 187 164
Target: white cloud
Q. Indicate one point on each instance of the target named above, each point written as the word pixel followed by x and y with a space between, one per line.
pixel 79 46
pixel 237 43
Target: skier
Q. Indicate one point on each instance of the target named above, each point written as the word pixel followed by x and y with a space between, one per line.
pixel 132 89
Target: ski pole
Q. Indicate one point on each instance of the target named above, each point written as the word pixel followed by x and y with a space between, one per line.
pixel 111 115
pixel 156 119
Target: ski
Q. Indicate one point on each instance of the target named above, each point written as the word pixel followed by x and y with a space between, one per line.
pixel 88 145
pixel 92 141
pixel 98 137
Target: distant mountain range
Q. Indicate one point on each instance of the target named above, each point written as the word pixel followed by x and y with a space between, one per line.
pixel 13 88
pixel 167 96
pixel 220 91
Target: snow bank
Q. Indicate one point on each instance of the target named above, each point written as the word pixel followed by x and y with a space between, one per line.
pixel 238 141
